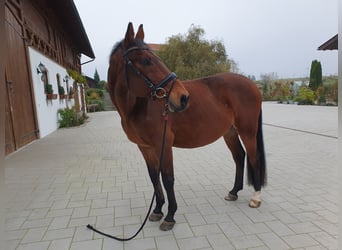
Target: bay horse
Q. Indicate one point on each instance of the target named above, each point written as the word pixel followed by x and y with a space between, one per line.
pixel 200 112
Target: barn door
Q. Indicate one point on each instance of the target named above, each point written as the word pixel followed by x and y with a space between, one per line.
pixel 10 141
pixel 21 125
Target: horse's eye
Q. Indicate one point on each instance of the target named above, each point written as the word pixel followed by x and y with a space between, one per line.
pixel 146 62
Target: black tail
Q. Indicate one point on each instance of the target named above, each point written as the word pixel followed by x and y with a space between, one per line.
pixel 261 161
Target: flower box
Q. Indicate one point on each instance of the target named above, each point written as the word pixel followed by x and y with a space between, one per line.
pixel 51 96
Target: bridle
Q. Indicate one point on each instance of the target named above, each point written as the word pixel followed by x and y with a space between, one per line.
pixel 157 90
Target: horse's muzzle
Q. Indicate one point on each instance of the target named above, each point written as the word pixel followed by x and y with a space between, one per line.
pixel 183 104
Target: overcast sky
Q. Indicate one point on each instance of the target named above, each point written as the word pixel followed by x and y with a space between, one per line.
pixel 262 36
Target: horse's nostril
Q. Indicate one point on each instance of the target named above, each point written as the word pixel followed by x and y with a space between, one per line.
pixel 184 100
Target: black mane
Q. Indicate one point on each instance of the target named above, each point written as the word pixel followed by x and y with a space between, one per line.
pixel 139 43
pixel 116 47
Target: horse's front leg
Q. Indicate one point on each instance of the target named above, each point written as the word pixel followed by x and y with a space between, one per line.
pixel 152 156
pixel 152 163
pixel 168 182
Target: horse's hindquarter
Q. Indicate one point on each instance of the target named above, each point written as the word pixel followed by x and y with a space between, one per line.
pixel 216 103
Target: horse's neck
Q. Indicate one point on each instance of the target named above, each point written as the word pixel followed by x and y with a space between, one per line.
pixel 138 107
pixel 130 106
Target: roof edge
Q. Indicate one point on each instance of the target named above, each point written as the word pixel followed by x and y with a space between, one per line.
pixel 331 44
pixel 89 53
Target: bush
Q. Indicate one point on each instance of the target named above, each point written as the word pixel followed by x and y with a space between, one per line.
pixel 99 92
pixel 69 118
pixel 305 96
pixel 95 96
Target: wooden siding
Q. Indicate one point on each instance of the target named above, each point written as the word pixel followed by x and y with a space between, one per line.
pixel 21 125
pixel 44 33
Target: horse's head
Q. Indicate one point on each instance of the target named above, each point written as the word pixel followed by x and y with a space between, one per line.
pixel 144 74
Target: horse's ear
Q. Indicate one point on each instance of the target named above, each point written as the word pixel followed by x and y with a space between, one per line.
pixel 129 37
pixel 140 34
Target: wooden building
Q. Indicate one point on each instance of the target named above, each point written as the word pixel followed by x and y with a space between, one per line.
pixel 44 38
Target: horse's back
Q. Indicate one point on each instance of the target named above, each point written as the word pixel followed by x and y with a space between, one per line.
pixel 239 96
pixel 233 90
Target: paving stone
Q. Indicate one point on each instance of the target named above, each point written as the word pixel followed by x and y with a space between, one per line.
pixel 142 244
pixel 193 243
pixel 219 241
pixel 34 235
pixel 59 222
pixel 34 246
pixel 300 240
pixel 61 244
pixel 166 243
pixel 88 244
pixel 248 241
pixel 59 234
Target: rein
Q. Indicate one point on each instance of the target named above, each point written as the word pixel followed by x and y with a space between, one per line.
pixel 166 116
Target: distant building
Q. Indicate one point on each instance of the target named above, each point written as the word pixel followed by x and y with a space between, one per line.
pixel 91 82
pixel 156 47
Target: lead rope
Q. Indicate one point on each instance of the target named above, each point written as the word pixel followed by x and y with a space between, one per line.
pixel 166 116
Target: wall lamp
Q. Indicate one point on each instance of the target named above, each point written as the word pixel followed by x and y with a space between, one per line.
pixel 41 68
pixel 66 78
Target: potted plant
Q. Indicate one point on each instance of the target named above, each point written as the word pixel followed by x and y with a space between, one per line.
pixel 49 92
pixel 61 92
pixel 71 93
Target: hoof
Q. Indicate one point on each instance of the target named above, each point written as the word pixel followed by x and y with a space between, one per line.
pixel 231 197
pixel 166 225
pixel 254 203
pixel 155 217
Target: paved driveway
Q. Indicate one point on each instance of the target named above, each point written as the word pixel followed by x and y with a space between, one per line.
pixel 94 175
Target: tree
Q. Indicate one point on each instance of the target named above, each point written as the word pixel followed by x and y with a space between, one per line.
pixel 97 79
pixel 102 84
pixel 315 75
pixel 252 77
pixel 191 56
pixel 268 86
pixel 78 78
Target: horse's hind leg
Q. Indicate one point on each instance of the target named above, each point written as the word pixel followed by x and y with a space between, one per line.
pixel 256 162
pixel 256 168
pixel 233 142
pixel 254 177
pixel 152 163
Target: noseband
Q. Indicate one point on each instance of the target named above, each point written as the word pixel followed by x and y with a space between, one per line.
pixel 157 90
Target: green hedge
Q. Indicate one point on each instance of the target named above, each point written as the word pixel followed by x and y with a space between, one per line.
pixel 69 118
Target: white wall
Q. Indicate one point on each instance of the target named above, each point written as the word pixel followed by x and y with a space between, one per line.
pixel 47 109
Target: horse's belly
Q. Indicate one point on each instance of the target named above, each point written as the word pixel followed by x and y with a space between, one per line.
pixel 201 133
pixel 196 141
